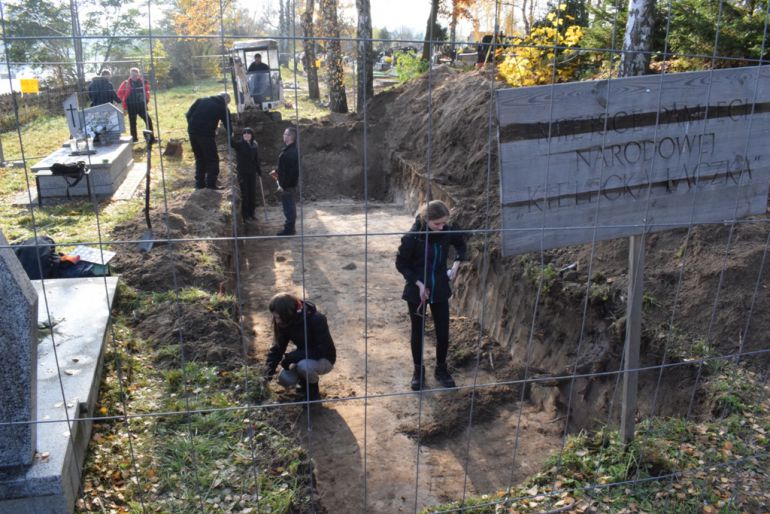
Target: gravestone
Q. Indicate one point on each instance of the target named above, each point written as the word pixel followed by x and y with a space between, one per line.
pixel 104 123
pixel 18 371
pixel 108 157
pixel 74 115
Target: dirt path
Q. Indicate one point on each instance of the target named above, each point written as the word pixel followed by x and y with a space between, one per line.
pixel 364 464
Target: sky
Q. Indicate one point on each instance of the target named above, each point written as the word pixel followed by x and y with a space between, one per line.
pixel 395 14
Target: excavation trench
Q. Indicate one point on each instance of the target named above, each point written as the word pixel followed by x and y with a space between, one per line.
pixel 377 446
pixel 555 319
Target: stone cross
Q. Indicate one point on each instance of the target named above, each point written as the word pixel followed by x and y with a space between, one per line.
pixel 18 365
pixel 74 116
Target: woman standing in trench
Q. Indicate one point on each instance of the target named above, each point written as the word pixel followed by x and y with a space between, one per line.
pixel 422 260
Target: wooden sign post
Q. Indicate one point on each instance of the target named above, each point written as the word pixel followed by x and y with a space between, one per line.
pixel 589 161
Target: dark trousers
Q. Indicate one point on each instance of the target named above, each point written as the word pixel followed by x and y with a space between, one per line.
pixel 248 183
pixel 440 312
pixel 140 110
pixel 206 161
pixel 289 203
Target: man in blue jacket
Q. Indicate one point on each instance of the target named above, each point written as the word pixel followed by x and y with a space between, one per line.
pixel 203 117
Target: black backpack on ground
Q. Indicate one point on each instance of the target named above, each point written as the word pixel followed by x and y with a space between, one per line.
pixel 38 255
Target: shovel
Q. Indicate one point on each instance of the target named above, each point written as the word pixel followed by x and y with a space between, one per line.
pixel 264 203
pixel 147 239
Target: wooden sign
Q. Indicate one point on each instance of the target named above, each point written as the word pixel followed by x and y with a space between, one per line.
pixel 604 159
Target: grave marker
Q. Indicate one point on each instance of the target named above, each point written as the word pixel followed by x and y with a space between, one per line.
pixel 18 367
pixel 104 123
pixel 74 116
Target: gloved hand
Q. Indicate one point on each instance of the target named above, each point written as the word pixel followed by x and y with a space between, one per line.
pixel 292 358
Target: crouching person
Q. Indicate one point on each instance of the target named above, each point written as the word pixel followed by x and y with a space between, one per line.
pixel 313 357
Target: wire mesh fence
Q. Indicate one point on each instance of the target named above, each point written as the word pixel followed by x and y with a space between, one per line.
pixel 187 417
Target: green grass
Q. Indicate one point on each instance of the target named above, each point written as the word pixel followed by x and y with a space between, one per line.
pixel 76 220
pixel 221 460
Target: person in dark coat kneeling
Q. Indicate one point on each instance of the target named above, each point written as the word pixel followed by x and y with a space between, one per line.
pixel 313 356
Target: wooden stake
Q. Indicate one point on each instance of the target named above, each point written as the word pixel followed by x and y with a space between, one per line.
pixel 633 331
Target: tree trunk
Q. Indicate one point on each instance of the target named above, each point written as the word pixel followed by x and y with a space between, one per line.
pixel 525 17
pixel 427 47
pixel 308 61
pixel 335 77
pixel 638 38
pixel 281 27
pixel 77 42
pixel 365 55
pixel 453 33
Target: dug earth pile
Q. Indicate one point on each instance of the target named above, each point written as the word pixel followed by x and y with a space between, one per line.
pixel 705 288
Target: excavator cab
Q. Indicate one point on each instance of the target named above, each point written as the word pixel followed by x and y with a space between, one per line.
pixel 257 86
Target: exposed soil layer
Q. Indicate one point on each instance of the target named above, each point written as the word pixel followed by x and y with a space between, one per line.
pixel 557 318
pixel 204 331
pixel 414 449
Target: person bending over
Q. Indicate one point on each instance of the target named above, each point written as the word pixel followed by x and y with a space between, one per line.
pixel 203 118
pixel 422 260
pixel 313 356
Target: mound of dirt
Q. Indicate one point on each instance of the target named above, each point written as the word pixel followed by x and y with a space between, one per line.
pixel 178 264
pixel 205 333
pixel 451 412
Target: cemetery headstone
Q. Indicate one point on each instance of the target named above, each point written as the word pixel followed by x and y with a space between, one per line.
pixel 18 370
pixel 74 116
pixel 104 123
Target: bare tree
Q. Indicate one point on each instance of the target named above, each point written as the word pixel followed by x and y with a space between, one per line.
pixel 427 47
pixel 364 56
pixel 525 15
pixel 335 75
pixel 308 60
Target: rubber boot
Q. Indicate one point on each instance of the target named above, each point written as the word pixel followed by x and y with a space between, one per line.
pixel 418 378
pixel 443 376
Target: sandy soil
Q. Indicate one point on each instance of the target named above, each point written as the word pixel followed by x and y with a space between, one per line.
pixel 364 460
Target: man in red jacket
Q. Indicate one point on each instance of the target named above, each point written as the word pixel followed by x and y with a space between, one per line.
pixel 134 92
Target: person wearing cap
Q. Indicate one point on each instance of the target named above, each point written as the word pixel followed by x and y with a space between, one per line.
pixel 247 158
pixel 315 355
pixel 203 118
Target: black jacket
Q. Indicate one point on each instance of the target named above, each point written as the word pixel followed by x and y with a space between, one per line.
pixel 100 91
pixel 288 166
pixel 319 345
pixel 204 116
pixel 427 263
pixel 247 157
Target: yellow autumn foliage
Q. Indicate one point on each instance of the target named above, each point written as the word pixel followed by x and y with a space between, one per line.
pixel 530 60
